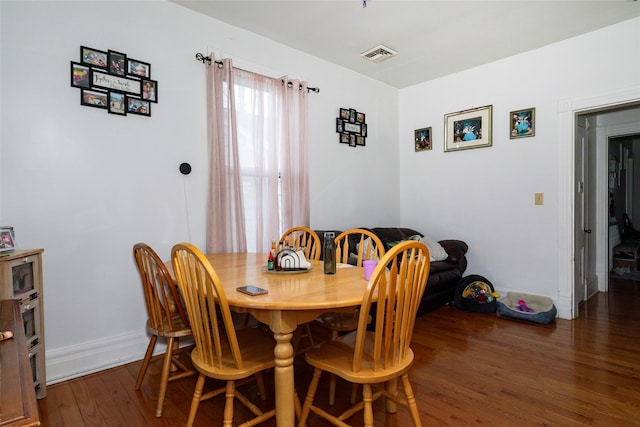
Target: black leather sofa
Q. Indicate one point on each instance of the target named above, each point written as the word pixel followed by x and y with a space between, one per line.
pixel 443 275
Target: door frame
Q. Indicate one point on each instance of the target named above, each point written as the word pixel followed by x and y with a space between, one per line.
pixel 567 112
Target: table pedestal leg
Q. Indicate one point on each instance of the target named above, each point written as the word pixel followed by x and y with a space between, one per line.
pixel 283 373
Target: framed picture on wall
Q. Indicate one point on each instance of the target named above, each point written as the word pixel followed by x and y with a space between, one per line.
pixel 138 68
pixel 117 63
pixel 422 139
pixel 117 103
pixel 138 106
pixel 93 57
pixel 93 98
pixel 522 123
pixel 80 75
pixel 150 90
pixel 468 129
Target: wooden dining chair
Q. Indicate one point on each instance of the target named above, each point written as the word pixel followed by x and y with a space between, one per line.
pixel 352 247
pixel 221 352
pixel 302 237
pixel 166 318
pixel 381 355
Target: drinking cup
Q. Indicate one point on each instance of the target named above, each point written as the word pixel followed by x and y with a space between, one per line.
pixel 369 266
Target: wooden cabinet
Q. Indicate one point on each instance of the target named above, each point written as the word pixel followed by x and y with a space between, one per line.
pixel 21 279
pixel 17 396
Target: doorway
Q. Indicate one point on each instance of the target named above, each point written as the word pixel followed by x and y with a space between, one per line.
pixel 606 188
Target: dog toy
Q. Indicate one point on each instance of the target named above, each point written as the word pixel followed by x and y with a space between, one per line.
pixel 522 306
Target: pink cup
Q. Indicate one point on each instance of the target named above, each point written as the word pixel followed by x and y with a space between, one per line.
pixel 369 266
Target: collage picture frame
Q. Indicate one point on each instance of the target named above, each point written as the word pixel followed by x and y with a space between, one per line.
pixel 351 127
pixel 111 80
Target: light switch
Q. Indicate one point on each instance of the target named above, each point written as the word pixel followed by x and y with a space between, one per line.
pixel 539 198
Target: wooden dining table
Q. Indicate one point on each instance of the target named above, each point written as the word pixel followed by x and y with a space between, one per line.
pixel 293 298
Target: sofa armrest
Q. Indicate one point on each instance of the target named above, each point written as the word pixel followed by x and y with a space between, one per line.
pixel 456 249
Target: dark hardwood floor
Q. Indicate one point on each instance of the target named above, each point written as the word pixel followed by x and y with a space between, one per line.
pixel 470 369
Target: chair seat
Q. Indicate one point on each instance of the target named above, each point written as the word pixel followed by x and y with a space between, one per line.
pixel 178 329
pixel 340 321
pixel 257 354
pixel 336 357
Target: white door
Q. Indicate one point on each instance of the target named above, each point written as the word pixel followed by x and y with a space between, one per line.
pixel 581 231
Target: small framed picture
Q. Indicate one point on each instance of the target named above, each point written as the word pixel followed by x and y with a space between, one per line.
pixel 7 240
pixel 117 103
pixel 352 115
pixel 339 126
pixel 138 68
pixel 80 75
pixel 363 130
pixel 360 140
pixel 468 129
pixel 138 106
pixel 344 138
pixel 360 117
pixel 422 139
pixel 93 98
pixel 150 90
pixel 117 63
pixel 93 57
pixel 352 140
pixel 522 123
pixel 344 113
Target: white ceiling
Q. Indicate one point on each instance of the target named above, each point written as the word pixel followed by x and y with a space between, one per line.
pixel 432 38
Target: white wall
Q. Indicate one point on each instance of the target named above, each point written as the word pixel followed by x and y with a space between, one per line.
pixel 485 196
pixel 86 185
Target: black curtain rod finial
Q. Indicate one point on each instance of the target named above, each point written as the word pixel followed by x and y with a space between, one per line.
pixel 200 57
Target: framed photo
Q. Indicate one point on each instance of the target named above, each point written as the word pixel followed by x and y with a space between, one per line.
pixel 344 113
pixel 352 115
pixel 7 240
pixel 364 130
pixel 339 125
pixel 344 138
pixel 111 82
pixel 93 98
pixel 422 139
pixel 93 57
pixel 138 68
pixel 468 129
pixel 80 75
pixel 360 117
pixel 360 141
pixel 150 90
pixel 522 123
pixel 138 106
pixel 353 128
pixel 117 103
pixel 117 63
pixel 352 140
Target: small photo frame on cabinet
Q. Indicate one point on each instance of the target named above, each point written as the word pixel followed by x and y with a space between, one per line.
pixel 422 139
pixel 522 123
pixel 7 239
pixel 468 129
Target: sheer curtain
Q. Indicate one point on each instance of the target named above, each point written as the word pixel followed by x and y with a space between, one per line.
pixel 258 158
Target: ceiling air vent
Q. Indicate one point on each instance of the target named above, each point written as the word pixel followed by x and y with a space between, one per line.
pixel 379 54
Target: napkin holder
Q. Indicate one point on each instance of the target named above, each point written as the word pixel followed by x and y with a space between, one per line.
pixel 291 260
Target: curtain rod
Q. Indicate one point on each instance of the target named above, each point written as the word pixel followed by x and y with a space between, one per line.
pixel 207 60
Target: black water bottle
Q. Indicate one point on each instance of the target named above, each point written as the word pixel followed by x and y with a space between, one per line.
pixel 329 253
